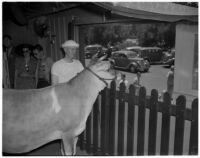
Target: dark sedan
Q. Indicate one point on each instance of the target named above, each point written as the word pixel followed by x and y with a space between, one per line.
pixel 129 60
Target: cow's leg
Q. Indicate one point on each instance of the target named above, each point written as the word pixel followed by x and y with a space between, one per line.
pixel 62 148
pixel 67 145
pixel 74 147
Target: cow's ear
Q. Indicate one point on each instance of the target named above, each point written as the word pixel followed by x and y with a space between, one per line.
pixel 102 58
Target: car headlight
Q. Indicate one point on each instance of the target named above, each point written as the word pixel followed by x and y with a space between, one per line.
pixel 140 63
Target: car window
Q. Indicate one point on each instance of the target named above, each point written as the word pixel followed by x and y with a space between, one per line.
pixel 116 55
pixel 133 55
pixel 93 48
pixel 123 56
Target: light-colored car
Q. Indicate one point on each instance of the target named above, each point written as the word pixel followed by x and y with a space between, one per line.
pixel 129 60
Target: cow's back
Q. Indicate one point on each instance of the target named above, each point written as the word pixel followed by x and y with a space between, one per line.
pixel 27 119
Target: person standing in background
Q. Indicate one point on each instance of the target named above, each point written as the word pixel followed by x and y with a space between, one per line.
pixel 43 71
pixel 65 69
pixel 170 81
pixel 10 57
pixel 123 79
pixel 25 70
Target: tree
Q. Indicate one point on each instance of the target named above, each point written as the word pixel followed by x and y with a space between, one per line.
pixel 190 4
pixel 156 34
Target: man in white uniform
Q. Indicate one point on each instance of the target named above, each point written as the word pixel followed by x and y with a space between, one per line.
pixel 65 69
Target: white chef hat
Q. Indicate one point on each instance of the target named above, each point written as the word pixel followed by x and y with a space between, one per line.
pixel 70 43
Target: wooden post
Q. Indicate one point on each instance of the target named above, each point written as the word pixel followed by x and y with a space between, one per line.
pixel 105 121
pixel 88 135
pixel 80 140
pixel 121 119
pixel 96 132
pixel 131 116
pixel 193 148
pixel 153 115
pixel 141 121
pixel 112 118
pixel 165 124
pixel 179 125
pixel 107 118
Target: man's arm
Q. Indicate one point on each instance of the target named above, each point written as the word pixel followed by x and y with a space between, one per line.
pixel 54 79
pixel 54 75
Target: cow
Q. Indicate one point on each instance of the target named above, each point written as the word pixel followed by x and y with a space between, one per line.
pixel 34 117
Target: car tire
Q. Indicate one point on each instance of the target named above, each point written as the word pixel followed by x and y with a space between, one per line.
pixel 132 69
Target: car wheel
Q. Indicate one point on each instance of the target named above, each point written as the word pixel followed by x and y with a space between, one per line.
pixel 132 68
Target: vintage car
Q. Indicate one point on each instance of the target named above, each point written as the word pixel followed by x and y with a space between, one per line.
pixel 129 60
pixel 90 50
pixel 152 54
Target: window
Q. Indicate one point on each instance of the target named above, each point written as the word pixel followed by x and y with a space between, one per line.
pixel 123 56
pixel 116 55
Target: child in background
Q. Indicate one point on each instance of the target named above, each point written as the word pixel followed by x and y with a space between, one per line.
pixel 123 79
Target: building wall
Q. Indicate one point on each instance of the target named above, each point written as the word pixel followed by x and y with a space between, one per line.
pixel 184 59
pixel 59 26
pixel 19 34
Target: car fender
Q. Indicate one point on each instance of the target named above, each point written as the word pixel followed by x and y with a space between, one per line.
pixel 135 64
pixel 112 61
pixel 145 58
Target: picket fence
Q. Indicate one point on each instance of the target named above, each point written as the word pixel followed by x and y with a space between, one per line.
pixel 131 123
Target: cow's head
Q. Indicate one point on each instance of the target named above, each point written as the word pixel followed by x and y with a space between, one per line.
pixel 102 69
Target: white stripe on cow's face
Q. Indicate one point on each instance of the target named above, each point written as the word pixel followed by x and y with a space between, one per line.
pixel 55 105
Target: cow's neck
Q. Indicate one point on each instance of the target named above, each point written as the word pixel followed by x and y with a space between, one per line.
pixel 87 87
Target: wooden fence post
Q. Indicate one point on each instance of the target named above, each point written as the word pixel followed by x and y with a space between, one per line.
pixel 141 121
pixel 165 124
pixel 105 121
pixel 131 116
pixel 153 115
pixel 193 148
pixel 121 118
pixel 96 132
pixel 112 118
pixel 80 140
pixel 179 125
pixel 88 135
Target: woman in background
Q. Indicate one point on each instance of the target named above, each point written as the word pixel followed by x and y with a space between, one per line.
pixel 44 64
pixel 25 66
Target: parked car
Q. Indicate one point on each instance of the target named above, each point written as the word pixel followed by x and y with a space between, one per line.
pixel 152 54
pixel 129 60
pixel 90 50
pixel 169 58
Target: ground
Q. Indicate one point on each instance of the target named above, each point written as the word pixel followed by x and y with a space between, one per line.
pixel 154 79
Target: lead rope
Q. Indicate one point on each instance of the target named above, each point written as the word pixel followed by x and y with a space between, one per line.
pixel 102 79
